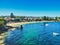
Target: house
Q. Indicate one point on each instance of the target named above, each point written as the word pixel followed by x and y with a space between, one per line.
pixel 8 18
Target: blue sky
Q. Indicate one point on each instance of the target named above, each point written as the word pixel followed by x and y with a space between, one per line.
pixel 30 7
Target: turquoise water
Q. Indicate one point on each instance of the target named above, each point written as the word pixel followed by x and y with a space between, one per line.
pixel 35 34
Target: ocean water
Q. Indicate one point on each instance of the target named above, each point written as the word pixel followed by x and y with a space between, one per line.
pixel 44 33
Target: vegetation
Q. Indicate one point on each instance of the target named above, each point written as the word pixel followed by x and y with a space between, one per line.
pixel 2 21
pixel 18 17
pixel 2 25
pixel 12 15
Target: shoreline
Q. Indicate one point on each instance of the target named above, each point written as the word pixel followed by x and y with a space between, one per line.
pixel 14 24
pixel 2 38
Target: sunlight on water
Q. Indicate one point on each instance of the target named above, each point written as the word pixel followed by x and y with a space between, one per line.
pixel 46 24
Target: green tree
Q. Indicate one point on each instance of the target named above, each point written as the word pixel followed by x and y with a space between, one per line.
pixel 2 21
pixel 44 18
pixel 12 15
pixel 18 17
pixel 56 18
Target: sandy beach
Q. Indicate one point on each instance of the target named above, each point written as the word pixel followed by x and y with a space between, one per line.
pixel 21 23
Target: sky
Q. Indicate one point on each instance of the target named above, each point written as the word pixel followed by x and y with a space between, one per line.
pixel 30 7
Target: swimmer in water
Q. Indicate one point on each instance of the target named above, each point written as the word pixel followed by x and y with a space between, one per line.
pixel 21 27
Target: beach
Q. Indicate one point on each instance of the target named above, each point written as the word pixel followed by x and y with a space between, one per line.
pixel 14 24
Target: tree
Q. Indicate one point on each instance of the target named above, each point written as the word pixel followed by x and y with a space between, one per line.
pixel 44 18
pixel 2 21
pixel 12 15
pixel 56 18
pixel 18 17
pixel 2 25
